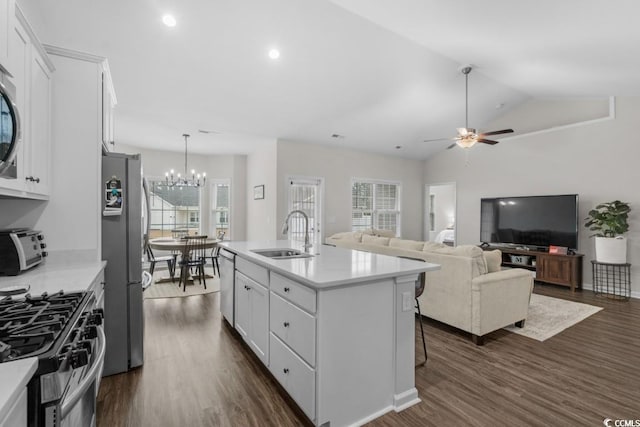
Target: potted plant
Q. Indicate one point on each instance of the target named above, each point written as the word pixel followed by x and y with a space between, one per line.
pixel 609 221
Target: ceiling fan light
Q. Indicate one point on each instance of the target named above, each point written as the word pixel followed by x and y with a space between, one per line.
pixel 467 142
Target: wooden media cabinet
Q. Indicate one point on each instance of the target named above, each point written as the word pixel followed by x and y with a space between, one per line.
pixel 563 270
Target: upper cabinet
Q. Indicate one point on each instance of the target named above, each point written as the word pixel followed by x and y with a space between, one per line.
pixel 108 105
pixel 32 72
pixel 6 29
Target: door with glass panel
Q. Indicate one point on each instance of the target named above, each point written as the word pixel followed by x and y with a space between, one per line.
pixel 305 194
pixel 220 219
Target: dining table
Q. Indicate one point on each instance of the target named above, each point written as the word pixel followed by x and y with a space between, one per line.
pixel 178 245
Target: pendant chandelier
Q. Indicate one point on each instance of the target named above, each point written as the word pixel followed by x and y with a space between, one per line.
pixel 181 181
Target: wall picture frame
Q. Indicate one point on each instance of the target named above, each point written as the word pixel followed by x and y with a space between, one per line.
pixel 258 192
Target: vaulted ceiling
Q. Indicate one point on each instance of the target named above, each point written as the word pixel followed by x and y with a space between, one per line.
pixel 380 73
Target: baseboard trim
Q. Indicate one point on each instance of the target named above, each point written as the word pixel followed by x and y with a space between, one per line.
pixel 405 399
pixel 589 287
pixel 371 417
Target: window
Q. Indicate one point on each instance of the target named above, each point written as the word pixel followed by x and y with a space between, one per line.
pixel 305 194
pixel 375 204
pixel 221 206
pixel 173 208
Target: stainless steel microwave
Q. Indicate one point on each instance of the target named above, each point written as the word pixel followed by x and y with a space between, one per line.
pixel 9 127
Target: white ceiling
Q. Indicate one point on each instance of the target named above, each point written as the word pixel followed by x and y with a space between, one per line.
pixel 380 72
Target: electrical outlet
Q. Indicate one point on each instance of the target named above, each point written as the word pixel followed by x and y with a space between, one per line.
pixel 407 301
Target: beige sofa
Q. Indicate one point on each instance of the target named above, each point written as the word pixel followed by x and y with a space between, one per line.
pixel 469 292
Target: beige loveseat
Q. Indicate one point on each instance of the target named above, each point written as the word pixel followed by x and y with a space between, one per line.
pixel 469 292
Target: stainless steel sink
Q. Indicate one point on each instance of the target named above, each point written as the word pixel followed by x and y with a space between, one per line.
pixel 278 253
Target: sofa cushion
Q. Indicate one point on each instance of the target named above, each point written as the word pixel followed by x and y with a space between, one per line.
pixel 406 244
pixel 433 246
pixel 469 251
pixel 493 260
pixel 351 236
pixel 374 240
pixel 379 233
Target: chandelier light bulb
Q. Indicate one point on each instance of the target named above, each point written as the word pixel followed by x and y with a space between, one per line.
pixel 185 181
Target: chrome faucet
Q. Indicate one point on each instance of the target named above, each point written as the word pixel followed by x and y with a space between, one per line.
pixel 285 228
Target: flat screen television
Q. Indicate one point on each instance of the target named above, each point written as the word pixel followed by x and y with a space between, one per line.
pixel 531 221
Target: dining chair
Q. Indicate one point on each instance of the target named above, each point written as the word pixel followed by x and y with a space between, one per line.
pixel 195 258
pixel 215 252
pixel 170 260
pixel 420 283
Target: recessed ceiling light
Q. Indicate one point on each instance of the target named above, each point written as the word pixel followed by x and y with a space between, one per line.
pixel 169 20
pixel 274 54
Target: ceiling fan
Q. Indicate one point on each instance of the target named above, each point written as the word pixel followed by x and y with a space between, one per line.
pixel 467 137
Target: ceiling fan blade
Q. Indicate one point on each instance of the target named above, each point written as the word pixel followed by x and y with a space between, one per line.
pixel 496 132
pixel 437 139
pixel 451 146
pixel 488 141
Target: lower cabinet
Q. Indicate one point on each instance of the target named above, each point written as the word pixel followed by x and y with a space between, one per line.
pixel 344 355
pixel 297 378
pixel 252 315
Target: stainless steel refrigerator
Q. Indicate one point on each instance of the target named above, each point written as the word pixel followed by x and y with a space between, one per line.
pixel 122 195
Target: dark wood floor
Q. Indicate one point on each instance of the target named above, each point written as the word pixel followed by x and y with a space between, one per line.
pixel 196 373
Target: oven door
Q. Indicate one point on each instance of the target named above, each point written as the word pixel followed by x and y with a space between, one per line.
pixel 78 406
pixel 9 128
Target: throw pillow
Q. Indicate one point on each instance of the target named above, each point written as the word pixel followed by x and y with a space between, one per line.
pixel 493 259
pixel 373 240
pixel 433 246
pixel 352 236
pixel 384 233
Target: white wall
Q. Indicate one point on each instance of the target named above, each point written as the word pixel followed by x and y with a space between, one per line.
pixel 156 163
pixel 262 223
pixel 338 167
pixel 598 161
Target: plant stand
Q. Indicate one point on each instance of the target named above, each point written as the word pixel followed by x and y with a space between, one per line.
pixel 612 280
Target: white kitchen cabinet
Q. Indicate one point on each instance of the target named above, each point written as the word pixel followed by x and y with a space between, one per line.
pixel 76 127
pixel 6 25
pixel 344 354
pixel 32 71
pixel 39 133
pixel 252 315
pixel 108 107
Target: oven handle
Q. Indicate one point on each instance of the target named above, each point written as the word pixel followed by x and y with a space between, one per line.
pixel 74 397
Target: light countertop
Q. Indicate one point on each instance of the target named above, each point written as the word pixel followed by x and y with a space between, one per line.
pixel 68 271
pixel 330 266
pixel 14 376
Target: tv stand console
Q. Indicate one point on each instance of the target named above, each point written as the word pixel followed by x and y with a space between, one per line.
pixel 563 270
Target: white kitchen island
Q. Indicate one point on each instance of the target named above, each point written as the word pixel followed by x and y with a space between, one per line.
pixel 336 329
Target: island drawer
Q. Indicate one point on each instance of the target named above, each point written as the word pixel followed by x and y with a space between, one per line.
pixel 297 378
pixel 294 292
pixel 295 327
pixel 254 271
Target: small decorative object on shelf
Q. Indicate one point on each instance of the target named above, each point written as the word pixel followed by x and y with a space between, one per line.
pixel 612 280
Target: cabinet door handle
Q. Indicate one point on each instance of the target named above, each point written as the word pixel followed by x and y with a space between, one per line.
pixel 286 370
pixel 33 179
pixel 287 289
pixel 286 324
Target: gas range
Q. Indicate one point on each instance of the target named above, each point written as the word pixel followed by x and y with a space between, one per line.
pixel 64 331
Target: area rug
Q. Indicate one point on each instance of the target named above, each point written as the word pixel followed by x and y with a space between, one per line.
pixel 172 290
pixel 549 316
